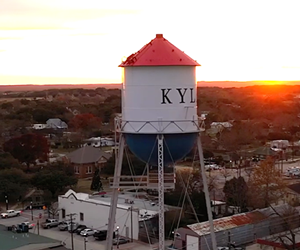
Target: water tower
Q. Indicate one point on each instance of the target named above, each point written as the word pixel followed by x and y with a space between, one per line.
pixel 159 121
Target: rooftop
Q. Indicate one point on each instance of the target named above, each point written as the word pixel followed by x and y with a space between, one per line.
pixel 87 154
pixel 125 200
pixel 24 241
pixel 159 52
pixel 226 223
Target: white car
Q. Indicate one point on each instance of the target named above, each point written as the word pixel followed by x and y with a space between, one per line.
pixel 87 232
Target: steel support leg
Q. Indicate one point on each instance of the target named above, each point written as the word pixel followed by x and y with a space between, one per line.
pixel 207 198
pixel 161 220
pixel 114 198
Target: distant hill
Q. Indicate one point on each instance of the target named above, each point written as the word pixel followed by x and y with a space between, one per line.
pixel 4 88
pixel 221 84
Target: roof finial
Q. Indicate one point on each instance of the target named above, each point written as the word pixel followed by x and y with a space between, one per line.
pixel 159 36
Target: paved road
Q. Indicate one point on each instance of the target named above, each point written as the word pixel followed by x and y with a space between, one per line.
pixel 65 237
pixel 219 177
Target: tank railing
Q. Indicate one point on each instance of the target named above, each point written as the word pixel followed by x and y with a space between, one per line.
pixel 138 126
pixel 118 123
pixel 142 181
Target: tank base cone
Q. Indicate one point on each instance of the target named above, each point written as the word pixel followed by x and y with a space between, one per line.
pixel 176 146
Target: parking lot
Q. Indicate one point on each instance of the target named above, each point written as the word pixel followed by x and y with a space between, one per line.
pixel 65 236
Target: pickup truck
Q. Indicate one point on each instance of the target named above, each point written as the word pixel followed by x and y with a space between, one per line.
pixel 63 226
pixel 10 213
pixel 50 223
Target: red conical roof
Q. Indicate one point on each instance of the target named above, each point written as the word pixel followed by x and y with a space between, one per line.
pixel 159 52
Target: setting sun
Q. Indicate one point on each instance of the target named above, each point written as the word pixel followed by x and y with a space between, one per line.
pixel 271 82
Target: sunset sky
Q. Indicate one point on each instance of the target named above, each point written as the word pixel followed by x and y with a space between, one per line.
pixel 70 41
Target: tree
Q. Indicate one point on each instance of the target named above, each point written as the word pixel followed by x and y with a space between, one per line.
pixel 53 209
pixel 96 182
pixel 189 193
pixel 235 191
pixel 265 184
pixel 7 161
pixel 14 183
pixel 54 178
pixel 41 114
pixel 28 148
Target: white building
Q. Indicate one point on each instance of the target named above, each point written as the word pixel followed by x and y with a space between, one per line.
pixel 100 142
pixel 221 125
pixel 93 211
pixel 279 144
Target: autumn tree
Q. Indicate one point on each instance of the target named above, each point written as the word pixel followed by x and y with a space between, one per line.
pixel 265 184
pixel 28 148
pixel 85 123
pixel 54 178
pixel 239 135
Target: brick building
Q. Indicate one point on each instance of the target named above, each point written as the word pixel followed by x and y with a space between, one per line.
pixel 86 160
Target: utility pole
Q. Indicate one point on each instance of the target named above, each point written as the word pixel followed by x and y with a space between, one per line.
pixel 38 226
pixel 85 241
pixel 131 228
pixel 31 211
pixel 229 240
pixel 230 244
pixel 72 238
pixel 118 237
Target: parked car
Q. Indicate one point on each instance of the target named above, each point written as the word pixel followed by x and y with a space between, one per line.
pixel 120 241
pixel 10 213
pixel 101 234
pixel 80 228
pixel 293 172
pixel 171 247
pixel 87 232
pixel 232 247
pixel 50 223
pixel 30 225
pixel 63 226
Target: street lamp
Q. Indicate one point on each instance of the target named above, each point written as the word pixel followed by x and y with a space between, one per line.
pixel 31 211
pixel 6 201
pixel 117 237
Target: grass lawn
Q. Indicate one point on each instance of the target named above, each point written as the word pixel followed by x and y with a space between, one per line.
pixel 62 150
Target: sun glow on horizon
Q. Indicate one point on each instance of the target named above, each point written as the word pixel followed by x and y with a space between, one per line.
pixel 271 82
